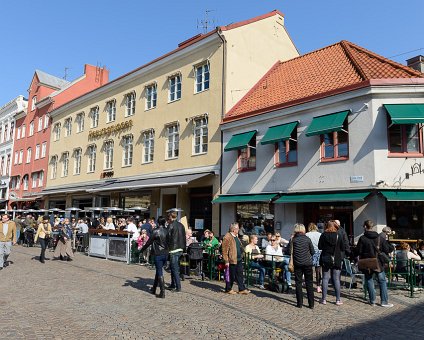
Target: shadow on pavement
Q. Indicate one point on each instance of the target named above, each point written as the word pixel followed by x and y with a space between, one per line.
pixel 140 283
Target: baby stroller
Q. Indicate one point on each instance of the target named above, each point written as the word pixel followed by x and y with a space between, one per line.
pixel 29 233
pixel 195 254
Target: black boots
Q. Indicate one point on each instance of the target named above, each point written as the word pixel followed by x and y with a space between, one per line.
pixel 155 285
pixel 162 287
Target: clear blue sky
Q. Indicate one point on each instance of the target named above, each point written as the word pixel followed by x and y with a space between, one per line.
pixel 122 35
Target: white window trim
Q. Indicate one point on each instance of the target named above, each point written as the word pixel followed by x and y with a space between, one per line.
pixel 195 67
pixel 113 113
pixel 146 133
pixel 193 121
pixel 154 86
pixel 133 107
pixel 177 124
pixel 172 76
pixel 92 151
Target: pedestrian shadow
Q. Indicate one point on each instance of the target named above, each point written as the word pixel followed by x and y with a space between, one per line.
pixel 139 283
pixel 207 285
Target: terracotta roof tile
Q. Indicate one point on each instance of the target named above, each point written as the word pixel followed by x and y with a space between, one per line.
pixel 333 69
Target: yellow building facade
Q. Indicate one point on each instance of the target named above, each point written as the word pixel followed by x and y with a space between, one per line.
pixel 151 137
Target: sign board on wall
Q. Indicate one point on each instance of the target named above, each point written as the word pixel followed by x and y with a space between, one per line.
pixel 356 179
pixel 198 224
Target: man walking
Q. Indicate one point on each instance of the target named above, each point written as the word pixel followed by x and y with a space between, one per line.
pixel 177 244
pixel 7 238
pixel 232 254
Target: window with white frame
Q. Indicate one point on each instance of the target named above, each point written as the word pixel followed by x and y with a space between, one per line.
pixel 175 87
pixel 130 104
pixel 34 101
pixel 40 178
pixel 2 165
pixel 92 153
pixel 37 151
pixel 148 146
pixel 16 159
pixel 23 131
pixel 68 126
pixel 77 161
pixel 29 154
pixel 15 182
pixel 43 149
pixel 6 133
pixel 56 131
pixel 12 130
pixel 31 128
pixel 65 164
pixel 127 155
pixel 25 182
pixel 21 156
pixel 46 121
pixel 40 124
pixel 8 164
pixel 200 135
pixel 108 149
pixel 172 145
pixel 80 122
pixel 18 133
pixel 202 77
pixel 151 96
pixel 34 178
pixel 53 167
pixel 247 156
pixel 111 111
pixel 94 117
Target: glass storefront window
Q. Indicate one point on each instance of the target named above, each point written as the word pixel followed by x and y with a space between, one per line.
pixel 256 218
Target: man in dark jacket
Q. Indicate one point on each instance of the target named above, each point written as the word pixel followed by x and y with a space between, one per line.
pixel 177 244
pixel 367 248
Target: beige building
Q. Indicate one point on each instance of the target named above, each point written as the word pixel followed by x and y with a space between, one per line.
pixel 151 137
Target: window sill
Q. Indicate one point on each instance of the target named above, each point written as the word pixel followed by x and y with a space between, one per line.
pixel 149 162
pixel 405 155
pixel 77 174
pixel 128 116
pixel 246 169
pixel 127 166
pixel 171 158
pixel 330 160
pixel 112 121
pixel 152 108
pixel 90 172
pixel 173 101
pixel 201 91
pixel 285 165
pixel 199 154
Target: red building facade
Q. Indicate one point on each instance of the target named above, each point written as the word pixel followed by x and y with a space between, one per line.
pixel 30 154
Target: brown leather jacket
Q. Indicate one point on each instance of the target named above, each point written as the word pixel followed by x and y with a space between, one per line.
pixel 229 248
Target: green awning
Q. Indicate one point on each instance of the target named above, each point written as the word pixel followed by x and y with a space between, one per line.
pixel 244 198
pixel 405 113
pixel 239 141
pixel 331 197
pixel 327 123
pixel 403 195
pixel 279 133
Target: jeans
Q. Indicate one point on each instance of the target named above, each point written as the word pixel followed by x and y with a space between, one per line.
pixel 381 278
pixel 18 235
pixel 335 274
pixel 299 272
pixel 236 274
pixel 160 261
pixel 175 269
pixel 256 265
pixel 287 274
pixel 5 249
pixel 43 249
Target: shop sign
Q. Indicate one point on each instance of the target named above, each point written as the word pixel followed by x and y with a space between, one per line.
pixel 110 129
pixel 356 179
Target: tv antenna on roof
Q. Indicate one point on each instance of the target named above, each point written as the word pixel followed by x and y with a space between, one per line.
pixel 206 23
pixel 66 73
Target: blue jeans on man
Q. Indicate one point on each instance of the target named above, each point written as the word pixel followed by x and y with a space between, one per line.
pixel 175 270
pixel 256 265
pixel 381 278
pixel 287 274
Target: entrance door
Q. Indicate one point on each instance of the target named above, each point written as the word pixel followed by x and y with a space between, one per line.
pixel 169 201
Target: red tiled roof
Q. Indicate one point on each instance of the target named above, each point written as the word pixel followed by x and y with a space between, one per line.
pixel 333 69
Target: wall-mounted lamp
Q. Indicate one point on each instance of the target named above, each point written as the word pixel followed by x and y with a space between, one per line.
pixel 415 217
pixel 393 217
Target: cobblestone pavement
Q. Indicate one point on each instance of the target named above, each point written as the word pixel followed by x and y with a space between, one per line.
pixel 91 298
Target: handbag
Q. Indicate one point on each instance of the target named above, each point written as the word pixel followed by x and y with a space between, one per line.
pixel 370 264
pixel 291 263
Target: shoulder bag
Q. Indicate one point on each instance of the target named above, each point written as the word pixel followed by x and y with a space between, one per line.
pixel 370 264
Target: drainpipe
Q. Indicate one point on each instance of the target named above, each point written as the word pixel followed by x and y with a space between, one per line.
pixel 223 89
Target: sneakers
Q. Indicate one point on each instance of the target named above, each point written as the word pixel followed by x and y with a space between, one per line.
pixel 319 290
pixel 339 303
pixel 231 292
pixel 372 304
pixel 323 302
pixel 261 287
pixel 387 305
pixel 244 292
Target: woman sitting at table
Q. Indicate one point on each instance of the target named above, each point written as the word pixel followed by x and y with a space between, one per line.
pixel 403 256
pixel 255 257
pixel 109 224
pixel 274 254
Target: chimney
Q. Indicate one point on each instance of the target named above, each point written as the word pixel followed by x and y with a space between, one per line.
pixel 417 63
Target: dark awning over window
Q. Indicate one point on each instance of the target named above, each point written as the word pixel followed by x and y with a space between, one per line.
pixel 327 123
pixel 244 198
pixel 405 113
pixel 330 197
pixel 403 195
pixel 239 141
pixel 279 133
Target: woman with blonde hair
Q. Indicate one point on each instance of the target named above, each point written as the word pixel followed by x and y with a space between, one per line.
pixel 302 252
pixel 314 235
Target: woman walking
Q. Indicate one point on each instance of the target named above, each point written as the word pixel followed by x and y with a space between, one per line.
pixel 303 250
pixel 160 250
pixel 332 247
pixel 43 233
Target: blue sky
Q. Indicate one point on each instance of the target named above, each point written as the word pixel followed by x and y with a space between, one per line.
pixel 122 35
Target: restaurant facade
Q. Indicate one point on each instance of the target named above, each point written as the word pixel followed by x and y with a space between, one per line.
pixel 333 134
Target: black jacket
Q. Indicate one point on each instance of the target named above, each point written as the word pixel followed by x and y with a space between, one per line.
pixel 302 250
pixel 332 244
pixel 367 246
pixel 158 241
pixel 176 236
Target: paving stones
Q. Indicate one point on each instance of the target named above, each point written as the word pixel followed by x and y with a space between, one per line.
pixel 91 298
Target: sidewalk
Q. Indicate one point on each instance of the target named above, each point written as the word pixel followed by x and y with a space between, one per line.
pixel 91 298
